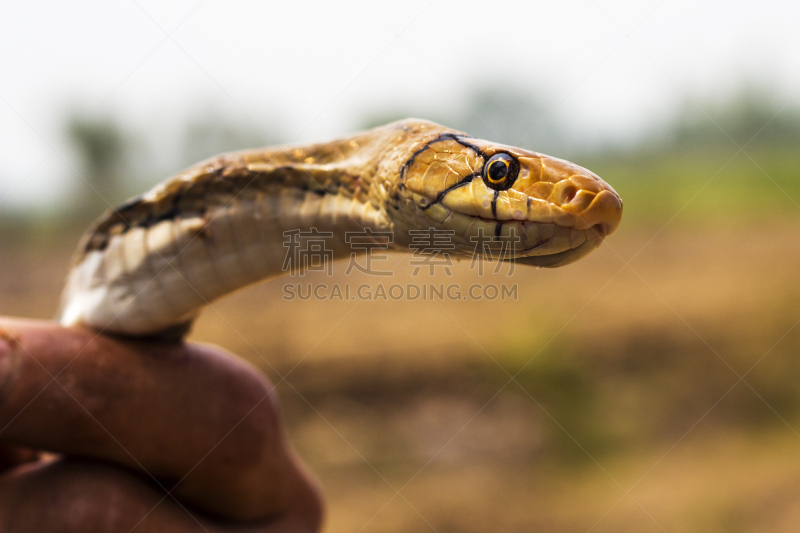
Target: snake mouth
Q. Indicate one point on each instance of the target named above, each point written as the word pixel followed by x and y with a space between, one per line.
pixel 562 258
pixel 544 244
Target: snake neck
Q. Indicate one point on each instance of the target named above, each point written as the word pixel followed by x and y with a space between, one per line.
pixel 231 221
pixel 362 171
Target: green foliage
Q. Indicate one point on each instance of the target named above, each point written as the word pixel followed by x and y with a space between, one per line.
pixel 707 186
pixel 101 141
pixel 752 117
pixel 103 146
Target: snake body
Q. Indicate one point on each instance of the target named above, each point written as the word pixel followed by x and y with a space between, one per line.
pixel 149 266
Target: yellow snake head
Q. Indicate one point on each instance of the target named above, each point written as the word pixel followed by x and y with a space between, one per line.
pixel 545 211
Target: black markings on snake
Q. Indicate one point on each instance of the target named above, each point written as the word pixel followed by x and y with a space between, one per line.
pixel 133 202
pixel 465 181
pixel 130 213
pixel 443 137
pixel 122 214
pixel 460 140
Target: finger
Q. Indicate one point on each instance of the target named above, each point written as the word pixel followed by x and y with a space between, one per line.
pixel 88 497
pixel 200 421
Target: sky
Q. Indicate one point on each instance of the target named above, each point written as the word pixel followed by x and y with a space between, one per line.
pixel 307 71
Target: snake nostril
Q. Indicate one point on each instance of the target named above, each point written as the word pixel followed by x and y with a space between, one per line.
pixel 601 229
pixel 569 193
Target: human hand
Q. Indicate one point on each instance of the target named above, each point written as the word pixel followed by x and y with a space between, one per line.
pixel 141 437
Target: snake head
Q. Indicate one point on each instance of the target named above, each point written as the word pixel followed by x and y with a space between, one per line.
pixel 543 211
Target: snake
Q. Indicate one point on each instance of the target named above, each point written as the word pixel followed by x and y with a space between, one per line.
pixel 149 266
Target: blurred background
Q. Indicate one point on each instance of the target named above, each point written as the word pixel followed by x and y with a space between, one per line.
pixel 652 386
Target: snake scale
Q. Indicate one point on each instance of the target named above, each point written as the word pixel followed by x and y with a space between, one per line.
pixel 146 268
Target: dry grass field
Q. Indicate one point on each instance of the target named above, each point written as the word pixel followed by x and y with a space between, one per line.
pixel 650 387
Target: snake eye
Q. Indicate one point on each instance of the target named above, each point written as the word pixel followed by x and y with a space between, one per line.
pixel 500 172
